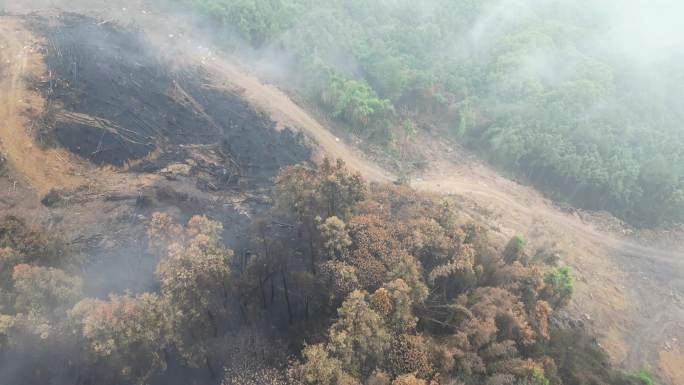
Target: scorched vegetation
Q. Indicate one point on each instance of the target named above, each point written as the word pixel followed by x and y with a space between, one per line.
pixel 343 283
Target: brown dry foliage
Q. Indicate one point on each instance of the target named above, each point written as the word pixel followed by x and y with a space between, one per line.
pixel 408 379
pixel 409 354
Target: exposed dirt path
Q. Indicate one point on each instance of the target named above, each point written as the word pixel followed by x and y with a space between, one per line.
pixel 43 169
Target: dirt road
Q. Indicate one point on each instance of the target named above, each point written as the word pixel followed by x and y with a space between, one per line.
pixel 632 294
pixel 18 57
pixel 40 168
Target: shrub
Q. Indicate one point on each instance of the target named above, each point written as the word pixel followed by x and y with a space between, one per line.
pixel 645 377
pixel 559 285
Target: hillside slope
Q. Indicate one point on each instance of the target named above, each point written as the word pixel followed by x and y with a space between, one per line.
pixel 624 289
pixel 641 288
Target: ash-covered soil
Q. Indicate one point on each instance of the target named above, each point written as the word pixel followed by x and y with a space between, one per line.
pixel 113 99
pixel 180 141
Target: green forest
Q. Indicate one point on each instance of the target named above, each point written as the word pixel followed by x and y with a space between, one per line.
pixel 541 89
pixel 345 284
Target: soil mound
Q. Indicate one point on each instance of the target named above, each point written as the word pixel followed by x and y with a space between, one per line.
pixel 113 99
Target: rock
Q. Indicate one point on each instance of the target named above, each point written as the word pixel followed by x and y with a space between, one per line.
pixel 52 198
pixel 176 169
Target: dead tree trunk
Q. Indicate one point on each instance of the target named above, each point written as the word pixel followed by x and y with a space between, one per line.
pixel 287 298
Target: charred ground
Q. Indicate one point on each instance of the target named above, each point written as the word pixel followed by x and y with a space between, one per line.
pixel 112 98
pixel 178 141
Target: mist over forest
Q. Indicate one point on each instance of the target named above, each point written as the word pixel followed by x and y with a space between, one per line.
pixel 580 99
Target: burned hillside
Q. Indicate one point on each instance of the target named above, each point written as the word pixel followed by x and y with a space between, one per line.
pixel 113 99
pixel 183 264
pixel 173 138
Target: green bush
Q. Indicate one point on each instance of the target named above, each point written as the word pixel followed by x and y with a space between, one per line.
pixel 355 102
pixel 515 250
pixel 645 377
pixel 559 282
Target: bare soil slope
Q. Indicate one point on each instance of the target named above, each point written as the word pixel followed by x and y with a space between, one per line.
pixel 19 57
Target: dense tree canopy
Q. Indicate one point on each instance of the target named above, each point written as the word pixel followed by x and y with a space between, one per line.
pixel 356 284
